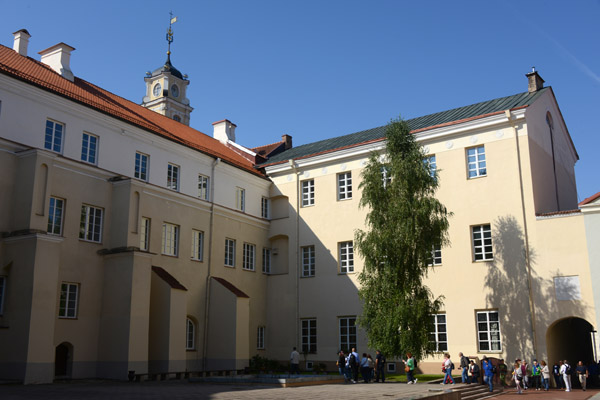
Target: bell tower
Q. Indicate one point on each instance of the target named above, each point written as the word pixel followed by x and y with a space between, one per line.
pixel 166 88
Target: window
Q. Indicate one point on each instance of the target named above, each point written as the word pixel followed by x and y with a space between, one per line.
pixel 2 293
pixel 344 186
pixel 229 252
pixel 173 177
pixel 145 234
pixel 177 117
pixel 308 193
pixel 346 257
pixel 482 243
pixel 141 166
pixel 197 245
pixel 476 162
pixel 54 136
pixel 488 331
pixel 55 215
pixel 309 336
pixel 190 335
pixel 347 333
pixel 386 177
pixel 90 228
pixel 89 148
pixel 249 259
pixel 266 265
pixel 260 338
pixel 203 188
pixel 265 207
pixel 438 334
pixel 170 239
pixel 308 261
pixel 69 293
pixel 429 161
pixel 436 256
pixel 240 199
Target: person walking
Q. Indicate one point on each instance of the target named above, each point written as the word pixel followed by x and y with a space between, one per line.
pixel 565 371
pixel 410 371
pixel 545 375
pixel 294 362
pixel 464 367
pixel 341 364
pixel 448 370
pixel 582 374
pixel 379 367
pixel 474 370
pixel 518 375
pixel 488 373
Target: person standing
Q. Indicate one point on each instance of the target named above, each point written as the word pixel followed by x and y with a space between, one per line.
pixel 447 370
pixel 536 374
pixel 354 362
pixel 341 363
pixel 582 374
pixel 488 373
pixel 379 367
pixel 464 367
pixel 294 362
pixel 557 377
pixel 545 375
pixel 410 372
pixel 565 371
pixel 364 368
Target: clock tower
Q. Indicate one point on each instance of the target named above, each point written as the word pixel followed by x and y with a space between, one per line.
pixel 166 88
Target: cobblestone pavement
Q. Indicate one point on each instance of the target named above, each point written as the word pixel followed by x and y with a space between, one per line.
pixel 182 390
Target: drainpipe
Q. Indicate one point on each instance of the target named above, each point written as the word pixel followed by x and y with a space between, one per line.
pixel 527 255
pixel 294 167
pixel 208 274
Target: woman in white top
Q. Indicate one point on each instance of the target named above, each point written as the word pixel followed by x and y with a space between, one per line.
pixel 545 375
pixel 518 376
pixel 447 370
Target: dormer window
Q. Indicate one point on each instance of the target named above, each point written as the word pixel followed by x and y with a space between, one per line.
pixel 175 91
pixel 157 90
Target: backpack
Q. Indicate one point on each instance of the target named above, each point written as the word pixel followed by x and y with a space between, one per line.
pixel 352 360
pixel 494 369
pixel 569 370
pixel 451 366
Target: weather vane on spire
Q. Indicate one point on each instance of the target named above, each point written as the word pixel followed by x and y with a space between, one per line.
pixel 170 34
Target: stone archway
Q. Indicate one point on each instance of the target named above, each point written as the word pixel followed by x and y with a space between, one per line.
pixel 570 339
pixel 63 360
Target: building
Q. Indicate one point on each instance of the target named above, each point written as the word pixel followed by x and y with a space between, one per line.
pixel 132 242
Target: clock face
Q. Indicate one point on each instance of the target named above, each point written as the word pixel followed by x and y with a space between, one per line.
pixel 157 90
pixel 175 91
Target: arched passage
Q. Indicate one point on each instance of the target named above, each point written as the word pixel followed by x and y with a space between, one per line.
pixel 570 339
pixel 63 360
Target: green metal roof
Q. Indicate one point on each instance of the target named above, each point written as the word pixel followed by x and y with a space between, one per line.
pixel 431 120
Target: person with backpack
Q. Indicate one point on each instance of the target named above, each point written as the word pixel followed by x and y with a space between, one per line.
pixel 379 366
pixel 488 373
pixel 474 370
pixel 464 367
pixel 353 361
pixel 566 371
pixel 448 367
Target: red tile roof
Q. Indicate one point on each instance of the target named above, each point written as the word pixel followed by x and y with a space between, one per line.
pixel 231 287
pixel 590 199
pixel 554 213
pixel 167 277
pixel 40 75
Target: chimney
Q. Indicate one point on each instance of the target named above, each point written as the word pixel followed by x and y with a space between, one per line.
pixel 224 130
pixel 287 139
pixel 58 57
pixel 535 81
pixel 21 41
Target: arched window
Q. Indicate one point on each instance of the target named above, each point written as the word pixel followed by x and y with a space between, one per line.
pixel 177 118
pixel 190 335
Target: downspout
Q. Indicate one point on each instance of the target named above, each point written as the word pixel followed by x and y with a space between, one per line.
pixel 294 167
pixel 527 255
pixel 210 245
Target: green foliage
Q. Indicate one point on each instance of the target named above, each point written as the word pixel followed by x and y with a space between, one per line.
pixel 405 221
pixel 260 364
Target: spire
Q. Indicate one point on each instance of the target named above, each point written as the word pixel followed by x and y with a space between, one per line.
pixel 172 20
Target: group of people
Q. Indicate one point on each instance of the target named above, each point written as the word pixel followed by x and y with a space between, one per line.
pixel 370 369
pixel 538 376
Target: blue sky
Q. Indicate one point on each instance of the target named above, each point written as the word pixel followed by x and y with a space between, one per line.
pixel 319 69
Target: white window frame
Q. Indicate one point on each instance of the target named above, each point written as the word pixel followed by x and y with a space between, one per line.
pixel 197 245
pixel 240 198
pixel 56 215
pixel 145 225
pixel 54 137
pixel 308 328
pixel 487 334
pixel 260 338
pixel 173 176
pixel 190 334
pixel 91 231
pixel 89 152
pixel 344 186
pixel 265 207
pixel 431 164
pixel 308 192
pixel 347 331
pixel 440 331
pixel 436 256
pixel 476 162
pixel 203 187
pixel 266 264
pixel 69 300
pixel 481 239
pixel 249 257
pixel 141 166
pixel 2 293
pixel 230 252
pixel 386 177
pixel 170 239
pixel 308 261
pixel 346 257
